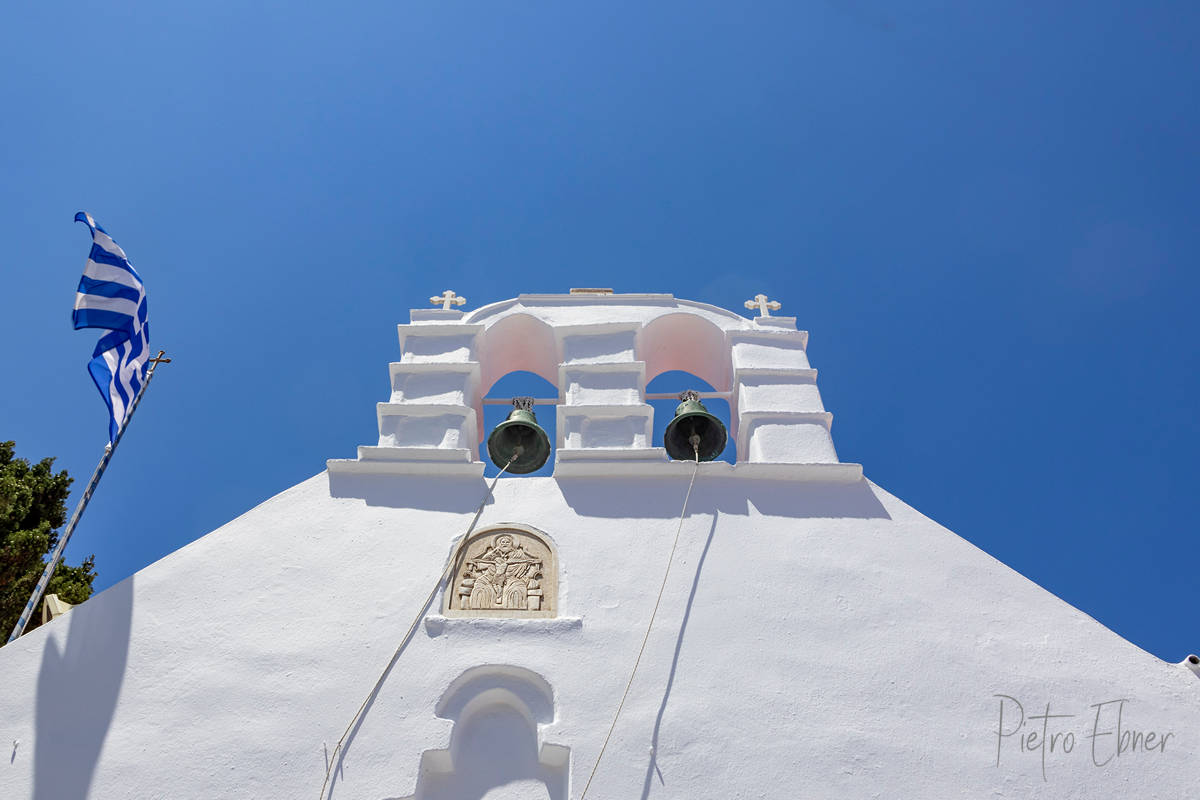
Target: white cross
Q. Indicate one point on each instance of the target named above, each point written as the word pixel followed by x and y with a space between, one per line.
pixel 447 299
pixel 764 306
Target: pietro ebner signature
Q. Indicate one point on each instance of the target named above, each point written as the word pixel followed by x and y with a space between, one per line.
pixel 1104 732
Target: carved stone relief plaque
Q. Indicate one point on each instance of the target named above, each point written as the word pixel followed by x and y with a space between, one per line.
pixel 504 572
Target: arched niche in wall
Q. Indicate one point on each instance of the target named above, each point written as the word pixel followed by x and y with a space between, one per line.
pixel 673 382
pixel 686 342
pixel 506 570
pixel 495 744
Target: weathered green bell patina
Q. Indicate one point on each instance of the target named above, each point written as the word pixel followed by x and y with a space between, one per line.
pixel 519 440
pixel 693 420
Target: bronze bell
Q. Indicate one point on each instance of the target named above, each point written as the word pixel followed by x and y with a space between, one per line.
pixel 519 441
pixel 694 433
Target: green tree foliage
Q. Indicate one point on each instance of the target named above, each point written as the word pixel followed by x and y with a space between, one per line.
pixel 32 508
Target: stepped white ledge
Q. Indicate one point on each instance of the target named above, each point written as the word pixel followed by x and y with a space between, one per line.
pixel 594 299
pixel 620 383
pixel 350 466
pixel 613 455
pixel 421 409
pixel 612 461
pixel 816 417
pixel 437 328
pixel 785 437
pixel 604 366
pixel 597 342
pixel 418 315
pixel 612 426
pixel 804 374
pixel 432 382
pixel 777 391
pixel 779 323
pixel 438 342
pixel 448 455
pixel 435 425
pixel 409 367
pixel 769 335
pixel 838 473
pixel 437 625
pixel 374 460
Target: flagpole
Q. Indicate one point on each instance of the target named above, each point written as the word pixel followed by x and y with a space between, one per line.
pixel 56 556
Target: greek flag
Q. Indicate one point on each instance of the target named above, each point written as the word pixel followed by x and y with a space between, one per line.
pixel 111 296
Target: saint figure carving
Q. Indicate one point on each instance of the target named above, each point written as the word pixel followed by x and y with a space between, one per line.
pixel 504 576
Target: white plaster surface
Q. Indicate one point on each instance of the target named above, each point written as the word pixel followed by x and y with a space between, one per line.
pixel 614 384
pixel 771 392
pixel 817 637
pixel 415 383
pixel 763 352
pixel 436 344
pixel 797 440
pixel 599 347
pixel 815 640
pixel 426 425
pixel 615 426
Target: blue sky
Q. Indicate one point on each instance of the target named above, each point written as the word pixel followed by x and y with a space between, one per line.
pixel 985 213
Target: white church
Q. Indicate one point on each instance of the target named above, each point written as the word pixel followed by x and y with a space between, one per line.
pixel 643 622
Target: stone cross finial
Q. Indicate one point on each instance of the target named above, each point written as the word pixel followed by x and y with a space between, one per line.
pixel 447 299
pixel 764 306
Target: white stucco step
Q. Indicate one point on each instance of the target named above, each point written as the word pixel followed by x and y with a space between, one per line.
pixel 597 467
pixel 424 467
pixel 437 625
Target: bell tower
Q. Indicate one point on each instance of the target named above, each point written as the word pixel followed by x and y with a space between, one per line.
pixel 601 349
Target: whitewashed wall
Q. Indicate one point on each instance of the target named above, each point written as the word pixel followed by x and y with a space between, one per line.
pixel 817 637
pixel 816 640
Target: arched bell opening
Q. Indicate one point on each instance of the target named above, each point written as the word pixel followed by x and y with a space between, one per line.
pixel 497 406
pixel 518 358
pixel 685 351
pixel 516 343
pixel 689 343
pixel 671 384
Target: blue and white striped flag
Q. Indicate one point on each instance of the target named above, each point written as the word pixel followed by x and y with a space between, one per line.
pixel 111 296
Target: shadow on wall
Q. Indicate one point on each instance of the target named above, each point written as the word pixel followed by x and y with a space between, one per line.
pixel 409 491
pixel 77 692
pixel 622 498
pixel 335 769
pixel 660 499
pixel 652 768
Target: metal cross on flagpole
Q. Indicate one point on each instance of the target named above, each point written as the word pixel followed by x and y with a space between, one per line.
pixel 56 556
